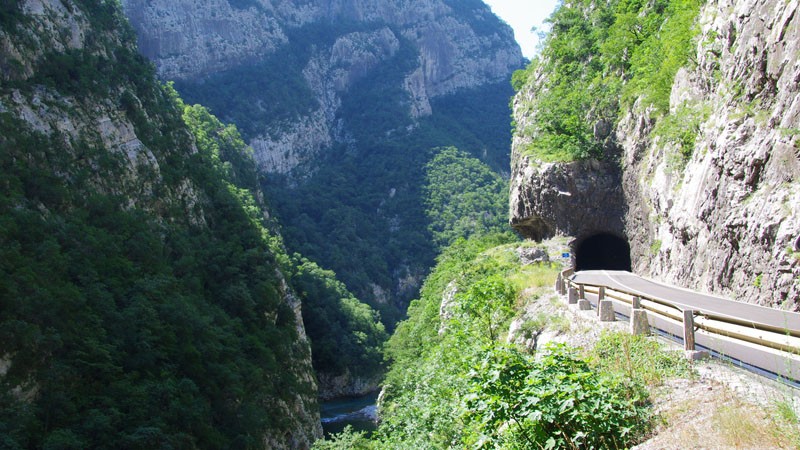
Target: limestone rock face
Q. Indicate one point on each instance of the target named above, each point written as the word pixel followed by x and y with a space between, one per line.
pixel 189 40
pixel 345 385
pixel 574 199
pixel 725 220
pixel 728 222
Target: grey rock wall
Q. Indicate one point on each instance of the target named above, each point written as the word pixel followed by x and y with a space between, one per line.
pixel 728 222
pixel 193 39
pixel 727 219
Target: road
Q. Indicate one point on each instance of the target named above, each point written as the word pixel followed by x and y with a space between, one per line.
pixel 708 305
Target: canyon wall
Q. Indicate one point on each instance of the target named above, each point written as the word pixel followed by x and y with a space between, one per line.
pixel 719 209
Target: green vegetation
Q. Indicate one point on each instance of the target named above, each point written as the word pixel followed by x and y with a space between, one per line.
pixel 597 57
pixel 637 358
pixel 252 96
pixel 365 214
pixel 463 196
pixel 142 289
pixel 346 335
pixel 454 382
pixel 133 326
pixel 680 129
pixel 361 212
pixel 556 401
pixel 787 421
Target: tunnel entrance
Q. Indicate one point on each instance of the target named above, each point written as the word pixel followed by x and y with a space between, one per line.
pixel 603 251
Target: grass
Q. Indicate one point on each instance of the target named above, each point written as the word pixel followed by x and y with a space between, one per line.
pixel 639 358
pixel 741 425
pixel 786 421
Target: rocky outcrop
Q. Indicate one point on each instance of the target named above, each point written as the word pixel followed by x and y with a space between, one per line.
pixel 346 385
pixel 573 199
pixel 728 222
pixel 189 40
pixel 723 215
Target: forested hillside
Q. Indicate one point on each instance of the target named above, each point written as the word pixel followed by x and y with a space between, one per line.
pixel 146 300
pixel 596 62
pixel 346 335
pixel 343 104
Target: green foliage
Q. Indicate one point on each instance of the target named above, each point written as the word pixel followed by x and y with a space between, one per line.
pixel 453 383
pixel 10 14
pixel 223 143
pixel 555 401
pixel 141 306
pixel 522 77
pixel 463 197
pixel 346 335
pixel 638 358
pixel 787 420
pixel 474 121
pixel 362 212
pixel 577 92
pixel 680 129
pixel 252 96
pixel 598 55
pixel 668 30
pixel 346 440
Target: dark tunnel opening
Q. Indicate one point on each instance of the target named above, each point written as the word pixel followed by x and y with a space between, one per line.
pixel 603 252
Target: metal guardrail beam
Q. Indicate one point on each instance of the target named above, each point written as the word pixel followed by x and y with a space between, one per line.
pixel 762 345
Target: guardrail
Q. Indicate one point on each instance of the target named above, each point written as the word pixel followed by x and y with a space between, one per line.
pixel 761 346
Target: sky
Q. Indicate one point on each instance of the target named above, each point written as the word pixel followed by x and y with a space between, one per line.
pixel 522 15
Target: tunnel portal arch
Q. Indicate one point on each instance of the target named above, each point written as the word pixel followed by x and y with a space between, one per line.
pixel 602 251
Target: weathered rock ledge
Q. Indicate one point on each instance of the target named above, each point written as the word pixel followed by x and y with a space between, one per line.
pixel 574 199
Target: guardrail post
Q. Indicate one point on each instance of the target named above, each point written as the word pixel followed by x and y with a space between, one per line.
pixel 558 283
pixel 688 330
pixel 572 298
pixel 605 310
pixel 601 295
pixel 581 291
pixel 639 323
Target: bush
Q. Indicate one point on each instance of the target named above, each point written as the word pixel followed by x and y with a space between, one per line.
pixel 598 56
pixel 557 401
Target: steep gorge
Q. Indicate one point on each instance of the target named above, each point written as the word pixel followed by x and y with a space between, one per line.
pixel 333 45
pixel 343 102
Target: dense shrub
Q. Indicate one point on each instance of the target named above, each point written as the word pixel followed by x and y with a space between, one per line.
pixel 598 56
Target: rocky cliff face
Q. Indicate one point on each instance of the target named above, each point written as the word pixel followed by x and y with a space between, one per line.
pixel 723 217
pixel 729 221
pixel 88 140
pixel 576 199
pixel 457 46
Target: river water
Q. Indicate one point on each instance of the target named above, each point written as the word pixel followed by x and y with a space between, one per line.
pixel 360 412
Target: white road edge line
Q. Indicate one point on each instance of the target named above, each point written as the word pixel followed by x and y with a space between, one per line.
pixel 625 286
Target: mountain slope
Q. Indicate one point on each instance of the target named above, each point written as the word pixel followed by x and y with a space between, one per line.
pixel 142 305
pixel 342 102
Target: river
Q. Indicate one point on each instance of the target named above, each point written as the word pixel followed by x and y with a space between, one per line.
pixel 360 412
